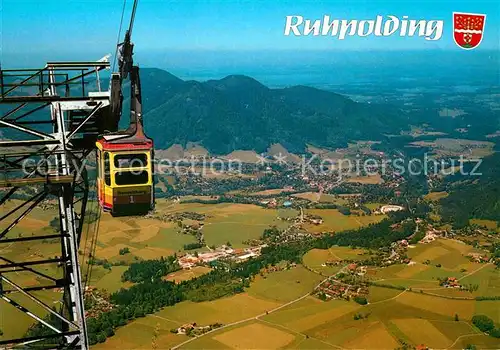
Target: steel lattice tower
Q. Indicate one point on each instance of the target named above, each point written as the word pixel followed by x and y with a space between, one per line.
pixel 54 115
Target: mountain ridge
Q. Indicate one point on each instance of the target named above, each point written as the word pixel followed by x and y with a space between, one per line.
pixel 239 112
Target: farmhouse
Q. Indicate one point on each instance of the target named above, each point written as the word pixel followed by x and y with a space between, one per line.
pixel 352 267
pixel 451 282
pixel 186 328
pixel 272 203
pixel 478 257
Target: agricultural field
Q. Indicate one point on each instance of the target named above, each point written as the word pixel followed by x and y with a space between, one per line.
pixel 374 179
pixel 285 285
pixel 378 294
pixel 244 156
pixel 447 147
pixel 184 275
pixel 237 223
pixel 489 224
pixel 389 321
pixel 309 313
pixel 440 259
pixel 226 310
pixel 14 323
pixel 277 308
pixel 335 221
pixel 37 223
pixel 145 238
pixel 109 280
pixel 275 191
pixel 139 334
pixel 315 259
pixel 278 312
pixel 374 206
pixel 321 197
pixel 436 196
pixel 149 238
pixel 269 337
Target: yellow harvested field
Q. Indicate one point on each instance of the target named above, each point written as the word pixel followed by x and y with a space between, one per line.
pixel 184 275
pixel 29 222
pixel 376 337
pixel 490 224
pixel 145 234
pixel 191 197
pixel 268 192
pixel 111 281
pixel 255 336
pixel 448 307
pixel 152 252
pixel 193 149
pixel 469 266
pixel 138 334
pixel 421 331
pixel 322 198
pixel 335 221
pixel 411 270
pixel 214 173
pixel 436 196
pixel 224 310
pixel 367 180
pixel 110 251
pixel 431 253
pixel 317 319
pixel 316 257
pixel 244 156
pixel 380 294
pixel 457 245
pixel 310 196
pixel 348 253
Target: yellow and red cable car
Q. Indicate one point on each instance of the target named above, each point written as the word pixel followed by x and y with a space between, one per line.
pixel 125 176
pixel 125 182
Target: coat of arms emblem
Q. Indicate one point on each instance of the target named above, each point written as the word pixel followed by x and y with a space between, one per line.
pixel 468 29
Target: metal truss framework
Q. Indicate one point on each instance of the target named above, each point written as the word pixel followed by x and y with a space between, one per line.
pixel 56 113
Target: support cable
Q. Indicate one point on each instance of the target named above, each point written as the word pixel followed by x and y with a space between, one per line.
pixel 119 34
pixel 93 245
pixel 94 210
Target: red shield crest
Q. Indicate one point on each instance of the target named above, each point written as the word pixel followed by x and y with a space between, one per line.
pixel 468 29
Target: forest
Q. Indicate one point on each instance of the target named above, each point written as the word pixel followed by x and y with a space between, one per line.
pixel 473 196
pixel 150 270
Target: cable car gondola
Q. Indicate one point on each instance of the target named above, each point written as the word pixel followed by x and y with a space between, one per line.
pixel 125 159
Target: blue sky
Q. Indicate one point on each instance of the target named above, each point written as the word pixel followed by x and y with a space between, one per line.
pixel 75 26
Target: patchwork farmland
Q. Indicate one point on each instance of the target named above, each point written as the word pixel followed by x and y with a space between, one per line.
pixel 406 304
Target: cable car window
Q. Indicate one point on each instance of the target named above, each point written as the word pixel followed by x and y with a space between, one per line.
pixel 131 160
pixel 131 177
pixel 107 173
